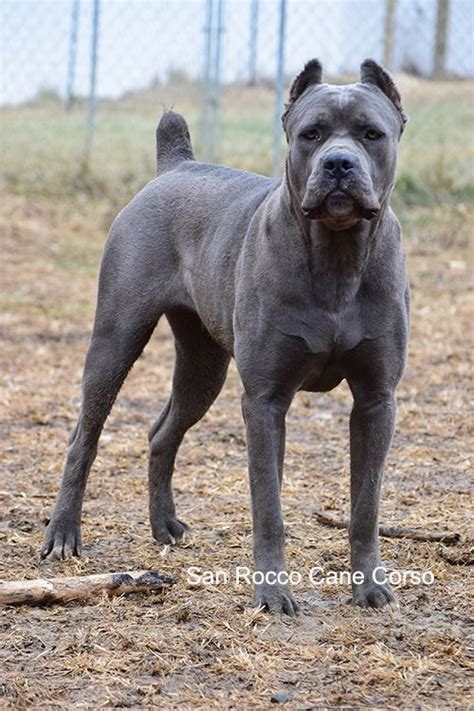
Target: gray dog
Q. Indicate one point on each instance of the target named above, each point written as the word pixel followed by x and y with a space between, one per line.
pixel 302 280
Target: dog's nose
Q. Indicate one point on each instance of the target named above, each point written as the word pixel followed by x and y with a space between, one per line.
pixel 339 163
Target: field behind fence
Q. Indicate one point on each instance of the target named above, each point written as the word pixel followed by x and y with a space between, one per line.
pixel 85 81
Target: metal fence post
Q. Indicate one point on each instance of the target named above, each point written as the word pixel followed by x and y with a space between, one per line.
pixel 91 104
pixel 213 30
pixel 205 138
pixel 71 66
pixel 280 80
pixel 216 80
pixel 253 30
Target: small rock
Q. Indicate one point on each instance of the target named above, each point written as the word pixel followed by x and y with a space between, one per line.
pixel 281 698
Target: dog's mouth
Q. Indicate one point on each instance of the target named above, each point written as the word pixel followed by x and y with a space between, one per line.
pixel 338 207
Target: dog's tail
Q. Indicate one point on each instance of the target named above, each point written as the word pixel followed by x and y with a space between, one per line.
pixel 173 142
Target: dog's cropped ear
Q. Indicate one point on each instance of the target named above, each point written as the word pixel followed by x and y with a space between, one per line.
pixel 373 73
pixel 311 74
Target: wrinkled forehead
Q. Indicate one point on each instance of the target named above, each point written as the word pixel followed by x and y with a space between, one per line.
pixel 347 104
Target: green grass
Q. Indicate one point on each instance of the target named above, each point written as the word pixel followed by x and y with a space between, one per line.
pixel 43 146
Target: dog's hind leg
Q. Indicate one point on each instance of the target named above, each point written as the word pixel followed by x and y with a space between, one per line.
pixel 126 315
pixel 200 371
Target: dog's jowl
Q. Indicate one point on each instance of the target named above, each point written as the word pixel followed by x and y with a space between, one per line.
pixel 301 280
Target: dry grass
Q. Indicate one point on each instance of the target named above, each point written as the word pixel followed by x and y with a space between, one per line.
pixel 204 646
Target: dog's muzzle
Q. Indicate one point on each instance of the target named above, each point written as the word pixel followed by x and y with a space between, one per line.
pixel 340 190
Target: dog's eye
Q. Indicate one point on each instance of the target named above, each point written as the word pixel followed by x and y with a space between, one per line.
pixel 312 135
pixel 372 135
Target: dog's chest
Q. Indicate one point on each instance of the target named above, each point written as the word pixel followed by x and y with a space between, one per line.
pixel 323 340
pixel 329 333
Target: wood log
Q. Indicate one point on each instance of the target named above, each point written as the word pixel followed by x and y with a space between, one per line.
pixel 416 534
pixel 43 591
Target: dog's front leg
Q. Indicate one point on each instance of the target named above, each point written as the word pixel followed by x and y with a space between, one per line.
pixel 371 430
pixel 265 423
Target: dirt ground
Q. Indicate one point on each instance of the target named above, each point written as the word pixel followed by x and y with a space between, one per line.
pixel 201 645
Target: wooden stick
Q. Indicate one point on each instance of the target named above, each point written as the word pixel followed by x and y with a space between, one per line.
pixel 45 592
pixel 416 534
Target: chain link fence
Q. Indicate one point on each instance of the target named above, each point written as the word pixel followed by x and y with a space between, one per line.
pixel 84 81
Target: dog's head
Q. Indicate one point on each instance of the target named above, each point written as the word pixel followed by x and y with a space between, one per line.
pixel 342 144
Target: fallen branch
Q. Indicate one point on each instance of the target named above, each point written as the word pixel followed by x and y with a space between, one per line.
pixel 45 592
pixel 415 534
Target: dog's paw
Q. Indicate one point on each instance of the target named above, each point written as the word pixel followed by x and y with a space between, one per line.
pixel 373 595
pixel 62 540
pixel 170 530
pixel 276 598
